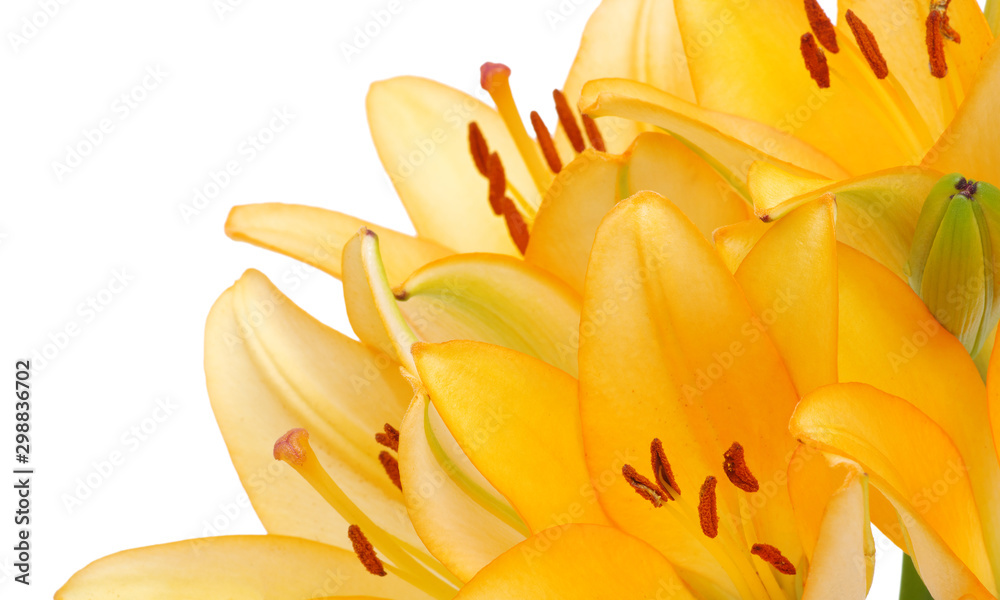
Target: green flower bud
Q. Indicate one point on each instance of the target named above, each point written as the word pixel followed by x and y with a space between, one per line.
pixel 953 258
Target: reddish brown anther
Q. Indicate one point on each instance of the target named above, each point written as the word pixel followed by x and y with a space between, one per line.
pixel 515 225
pixel 815 60
pixel 708 511
pixel 390 437
pixel 773 556
pixel 821 26
pixel 935 44
pixel 366 553
pixel 292 447
pixel 736 469
pixel 498 182
pixel 642 486
pixel 391 466
pixel 868 45
pixel 593 133
pixel 478 148
pixel 568 121
pixel 662 472
pixel 941 6
pixel 545 142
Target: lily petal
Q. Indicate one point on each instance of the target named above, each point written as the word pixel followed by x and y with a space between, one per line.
pixel 271 367
pixel 265 567
pixel 578 562
pixel 317 237
pixel 735 241
pixel 420 129
pixel 517 419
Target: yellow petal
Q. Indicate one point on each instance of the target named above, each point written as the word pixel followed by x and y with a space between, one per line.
pixel 688 368
pixel 578 562
pixel 462 533
pixel 753 68
pixel 420 129
pixel 876 212
pixel 790 278
pixel 729 144
pixel 735 241
pixel 969 145
pixel 630 39
pixel 913 462
pixel 271 367
pixel 889 340
pixel 317 237
pixel 264 567
pixel 517 419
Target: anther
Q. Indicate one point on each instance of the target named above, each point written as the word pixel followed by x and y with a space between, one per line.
pixel 366 553
pixel 815 60
pixel 568 121
pixel 516 226
pixel 736 469
pixel 545 141
pixel 498 182
pixel 662 472
pixel 708 511
pixel 642 486
pixel 292 447
pixel 478 148
pixel 935 44
pixel 391 466
pixel 868 44
pixel 593 133
pixel 941 6
pixel 773 556
pixel 390 437
pixel 821 26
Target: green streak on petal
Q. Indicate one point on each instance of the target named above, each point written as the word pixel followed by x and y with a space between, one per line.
pixel 911 587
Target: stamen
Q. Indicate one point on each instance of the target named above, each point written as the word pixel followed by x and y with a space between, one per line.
pixel 773 556
pixel 593 133
pixel 708 511
pixel 815 60
pixel 868 44
pixel 545 142
pixel 391 466
pixel 291 447
pixel 642 486
pixel 661 469
pixel 941 6
pixel 568 121
pixel 498 182
pixel 389 439
pixel 821 26
pixel 478 147
pixel 515 225
pixel 935 45
pixel 366 553
pixel 736 469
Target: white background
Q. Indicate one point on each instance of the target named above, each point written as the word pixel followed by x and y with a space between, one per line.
pixel 64 238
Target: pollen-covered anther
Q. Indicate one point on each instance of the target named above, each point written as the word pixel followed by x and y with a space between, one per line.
pixel 498 182
pixel 941 6
pixel 708 510
pixel 391 466
pixel 868 45
pixel 293 447
pixel 815 60
pixel 516 225
pixel 642 486
pixel 545 142
pixel 568 121
pixel 736 469
pixel 593 133
pixel 478 148
pixel 773 556
pixel 821 26
pixel 366 553
pixel 389 437
pixel 935 44
pixel 662 472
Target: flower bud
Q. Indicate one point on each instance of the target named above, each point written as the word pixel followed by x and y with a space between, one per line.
pixel 953 259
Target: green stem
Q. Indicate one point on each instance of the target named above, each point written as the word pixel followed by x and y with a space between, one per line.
pixel 911 587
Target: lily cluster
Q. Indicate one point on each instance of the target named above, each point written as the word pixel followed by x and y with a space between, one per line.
pixel 691 341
